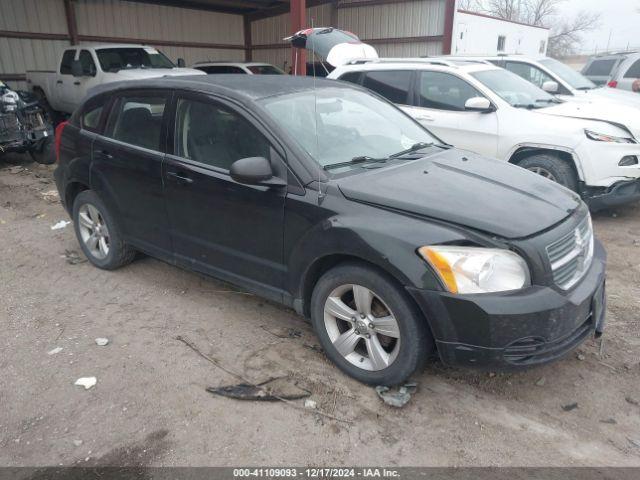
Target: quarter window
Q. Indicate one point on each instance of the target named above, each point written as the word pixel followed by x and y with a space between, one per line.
pixel 214 135
pixel 443 91
pixel 67 60
pixel 600 67
pixel 138 121
pixel 634 71
pixel 91 118
pixel 351 77
pixel 392 85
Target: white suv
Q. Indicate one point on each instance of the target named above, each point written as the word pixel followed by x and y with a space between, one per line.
pixel 617 70
pixel 491 111
pixel 249 68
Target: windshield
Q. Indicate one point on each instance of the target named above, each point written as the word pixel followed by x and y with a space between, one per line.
pixel 350 124
pixel 265 70
pixel 514 89
pixel 568 74
pixel 115 59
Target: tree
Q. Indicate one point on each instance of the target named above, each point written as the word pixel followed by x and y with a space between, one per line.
pixel 565 34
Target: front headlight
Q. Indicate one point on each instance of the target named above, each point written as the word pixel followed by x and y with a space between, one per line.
pixel 601 137
pixel 477 270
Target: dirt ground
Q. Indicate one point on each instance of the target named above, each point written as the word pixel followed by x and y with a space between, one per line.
pixel 150 406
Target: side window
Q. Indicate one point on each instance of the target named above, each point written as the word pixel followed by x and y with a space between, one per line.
pixel 529 73
pixel 392 85
pixel 443 91
pixel 212 134
pixel 502 40
pixel 88 65
pixel 634 70
pixel 67 59
pixel 90 119
pixel 137 120
pixel 352 77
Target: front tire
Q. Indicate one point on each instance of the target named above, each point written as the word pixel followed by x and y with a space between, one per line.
pixel 553 168
pixel 98 234
pixel 368 325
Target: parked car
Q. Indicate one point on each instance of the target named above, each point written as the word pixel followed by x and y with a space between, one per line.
pixel 327 198
pixel 477 106
pixel 559 79
pixel 249 68
pixel 24 126
pixel 618 70
pixel 82 67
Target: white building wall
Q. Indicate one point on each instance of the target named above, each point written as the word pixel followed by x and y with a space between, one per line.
pixel 478 35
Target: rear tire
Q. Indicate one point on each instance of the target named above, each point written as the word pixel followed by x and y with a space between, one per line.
pixel 98 233
pixel 45 153
pixel 351 306
pixel 552 167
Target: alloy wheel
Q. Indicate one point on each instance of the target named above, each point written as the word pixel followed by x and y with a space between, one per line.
pixel 362 328
pixel 543 172
pixel 94 231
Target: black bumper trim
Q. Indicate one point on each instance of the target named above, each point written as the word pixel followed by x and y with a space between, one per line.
pixel 618 194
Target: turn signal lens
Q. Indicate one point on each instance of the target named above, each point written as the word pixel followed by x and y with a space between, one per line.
pixel 476 269
pixel 612 84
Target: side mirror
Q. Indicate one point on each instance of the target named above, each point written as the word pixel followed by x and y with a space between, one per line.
pixel 255 171
pixel 76 69
pixel 550 87
pixel 478 104
pixel 181 63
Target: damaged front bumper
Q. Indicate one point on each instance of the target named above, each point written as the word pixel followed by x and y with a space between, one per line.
pixel 619 193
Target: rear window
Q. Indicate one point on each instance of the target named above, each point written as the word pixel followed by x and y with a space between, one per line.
pixel 634 71
pixel 265 70
pixel 600 67
pixel 392 85
pixel 67 60
pixel 213 69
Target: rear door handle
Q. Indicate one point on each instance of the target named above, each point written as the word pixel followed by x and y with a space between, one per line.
pixel 180 178
pixel 105 154
pixel 424 118
pixel 60 81
pixel 76 83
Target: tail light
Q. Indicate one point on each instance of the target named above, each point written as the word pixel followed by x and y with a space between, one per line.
pixel 58 139
pixel 612 84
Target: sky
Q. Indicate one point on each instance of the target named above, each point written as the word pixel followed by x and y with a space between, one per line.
pixel 620 18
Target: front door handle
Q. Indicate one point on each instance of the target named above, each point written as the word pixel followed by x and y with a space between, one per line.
pixel 76 83
pixel 180 178
pixel 60 82
pixel 424 118
pixel 105 154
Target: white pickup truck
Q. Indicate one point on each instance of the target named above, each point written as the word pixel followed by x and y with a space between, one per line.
pixel 83 67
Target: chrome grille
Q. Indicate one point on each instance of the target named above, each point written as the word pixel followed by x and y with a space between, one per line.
pixel 570 256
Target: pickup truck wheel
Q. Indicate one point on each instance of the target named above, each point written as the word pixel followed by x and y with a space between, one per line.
pixel 368 326
pixel 44 153
pixel 552 167
pixel 98 233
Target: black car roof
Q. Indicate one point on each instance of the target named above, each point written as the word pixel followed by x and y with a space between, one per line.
pixel 239 86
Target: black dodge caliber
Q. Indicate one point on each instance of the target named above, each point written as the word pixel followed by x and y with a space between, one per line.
pixel 327 198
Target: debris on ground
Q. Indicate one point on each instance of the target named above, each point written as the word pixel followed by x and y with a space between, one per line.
pixel 51 196
pixel 570 406
pixel 634 441
pixel 610 421
pixel 16 169
pixel 61 224
pixel 581 357
pixel 102 342
pixel 541 381
pixel 86 382
pixel 54 351
pixel 272 390
pixel 73 258
pixel 77 443
pixel 282 332
pixel 315 347
pixel 632 401
pixel 308 403
pixel 399 396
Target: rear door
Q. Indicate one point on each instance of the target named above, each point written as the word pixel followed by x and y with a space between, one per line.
pixel 630 77
pixel 221 227
pixel 439 104
pixel 89 78
pixel 127 168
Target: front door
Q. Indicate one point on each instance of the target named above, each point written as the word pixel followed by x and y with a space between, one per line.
pixel 64 98
pixel 127 169
pixel 440 106
pixel 218 226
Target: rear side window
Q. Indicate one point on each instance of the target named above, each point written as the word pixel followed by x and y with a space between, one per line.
pixel 634 71
pixel 215 135
pixel 88 65
pixel 138 121
pixel 443 91
pixel 352 77
pixel 67 60
pixel 600 67
pixel 392 85
pixel 90 119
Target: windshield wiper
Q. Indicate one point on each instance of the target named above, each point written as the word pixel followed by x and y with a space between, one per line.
pixel 585 88
pixel 355 161
pixel 413 148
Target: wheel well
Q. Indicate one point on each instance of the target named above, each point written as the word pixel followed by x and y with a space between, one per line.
pixel 526 152
pixel 73 189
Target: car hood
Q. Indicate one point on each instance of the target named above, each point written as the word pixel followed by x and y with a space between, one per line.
pixel 605 94
pixel 484 194
pixel 613 113
pixel 337 47
pixel 142 73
